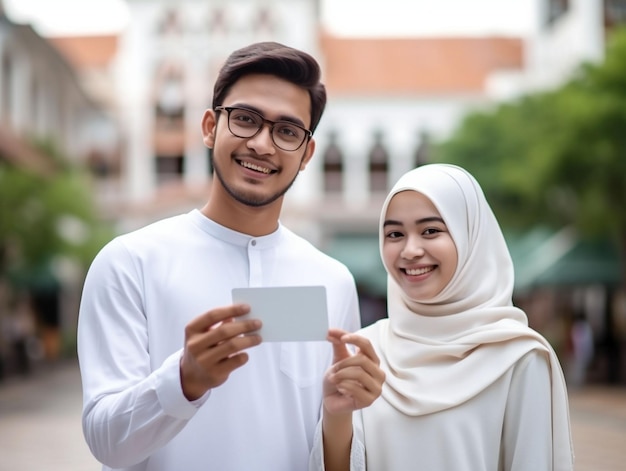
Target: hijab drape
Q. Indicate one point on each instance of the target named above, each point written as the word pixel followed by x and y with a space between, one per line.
pixel 443 351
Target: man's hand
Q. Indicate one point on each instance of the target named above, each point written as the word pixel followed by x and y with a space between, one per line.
pixel 354 381
pixel 214 345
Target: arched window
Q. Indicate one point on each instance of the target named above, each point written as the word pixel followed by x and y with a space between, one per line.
pixel 7 101
pixel 378 165
pixel 555 10
pixel 263 23
pixel 614 13
pixel 333 166
pixel 422 153
pixel 169 132
pixel 170 24
pixel 217 22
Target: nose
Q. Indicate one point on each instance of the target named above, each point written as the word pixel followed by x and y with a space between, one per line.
pixel 262 142
pixel 412 249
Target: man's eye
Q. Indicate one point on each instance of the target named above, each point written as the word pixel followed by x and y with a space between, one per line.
pixel 287 131
pixel 245 118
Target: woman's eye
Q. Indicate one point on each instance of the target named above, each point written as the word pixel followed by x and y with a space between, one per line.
pixel 432 231
pixel 394 235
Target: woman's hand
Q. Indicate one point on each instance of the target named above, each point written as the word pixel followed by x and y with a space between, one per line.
pixel 355 380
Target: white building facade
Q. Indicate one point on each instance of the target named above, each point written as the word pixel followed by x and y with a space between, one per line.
pixel 166 66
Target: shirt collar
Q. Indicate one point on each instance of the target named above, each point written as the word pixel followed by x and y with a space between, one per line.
pixel 234 237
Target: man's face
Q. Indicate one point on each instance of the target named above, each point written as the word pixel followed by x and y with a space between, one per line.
pixel 254 171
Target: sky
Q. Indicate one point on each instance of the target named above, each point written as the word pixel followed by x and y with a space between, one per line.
pixel 69 17
pixel 361 18
pixel 383 18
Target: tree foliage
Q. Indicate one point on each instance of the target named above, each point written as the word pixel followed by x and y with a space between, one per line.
pixel 43 218
pixel 506 150
pixel 556 157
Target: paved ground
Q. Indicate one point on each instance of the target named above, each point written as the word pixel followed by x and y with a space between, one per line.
pixel 40 424
pixel 599 428
pixel 40 427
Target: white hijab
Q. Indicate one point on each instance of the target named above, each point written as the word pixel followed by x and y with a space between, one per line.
pixel 470 331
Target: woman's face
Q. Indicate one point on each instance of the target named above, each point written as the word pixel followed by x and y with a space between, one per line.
pixel 418 251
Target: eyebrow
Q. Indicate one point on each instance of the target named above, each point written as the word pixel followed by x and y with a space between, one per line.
pixel 391 222
pixel 283 118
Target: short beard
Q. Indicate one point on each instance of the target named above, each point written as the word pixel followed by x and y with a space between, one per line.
pixel 246 198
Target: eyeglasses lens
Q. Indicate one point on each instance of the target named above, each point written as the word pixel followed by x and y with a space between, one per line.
pixel 245 123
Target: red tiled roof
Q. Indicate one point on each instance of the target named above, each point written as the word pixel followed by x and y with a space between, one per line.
pixel 86 52
pixel 415 65
pixel 365 65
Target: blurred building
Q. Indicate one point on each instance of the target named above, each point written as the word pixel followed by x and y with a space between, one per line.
pixel 42 99
pixel 44 109
pixel 561 279
pixel 129 105
pixel 388 99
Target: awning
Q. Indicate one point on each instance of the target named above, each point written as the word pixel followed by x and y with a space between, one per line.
pixel 35 278
pixel 359 252
pixel 544 257
pixel 541 257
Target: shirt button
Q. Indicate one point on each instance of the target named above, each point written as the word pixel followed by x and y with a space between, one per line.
pixel 253 243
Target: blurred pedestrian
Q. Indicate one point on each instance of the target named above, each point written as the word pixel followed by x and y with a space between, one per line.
pixel 170 381
pixel 21 335
pixel 469 386
pixel 582 350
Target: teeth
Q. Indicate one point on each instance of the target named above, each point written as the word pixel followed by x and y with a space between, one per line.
pixel 419 271
pixel 256 168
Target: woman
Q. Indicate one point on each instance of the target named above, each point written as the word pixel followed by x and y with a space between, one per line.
pixel 469 386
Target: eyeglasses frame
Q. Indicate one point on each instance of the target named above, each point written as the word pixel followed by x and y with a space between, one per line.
pixel 269 122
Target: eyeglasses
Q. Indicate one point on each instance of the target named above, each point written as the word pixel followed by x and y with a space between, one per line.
pixel 245 123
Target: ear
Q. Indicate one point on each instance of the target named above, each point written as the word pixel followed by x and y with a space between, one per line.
pixel 308 153
pixel 209 123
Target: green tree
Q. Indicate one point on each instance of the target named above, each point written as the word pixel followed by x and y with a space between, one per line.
pixel 43 218
pixel 505 149
pixel 557 157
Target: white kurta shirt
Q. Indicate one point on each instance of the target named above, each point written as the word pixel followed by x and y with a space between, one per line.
pixel 141 291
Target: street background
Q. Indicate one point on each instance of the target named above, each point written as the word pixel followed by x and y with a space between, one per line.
pixel 99 135
pixel 40 427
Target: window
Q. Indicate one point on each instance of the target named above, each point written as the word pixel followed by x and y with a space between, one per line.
pixel 333 166
pixel 169 168
pixel 169 125
pixel 422 153
pixel 7 102
pixel 378 165
pixel 614 13
pixel 555 9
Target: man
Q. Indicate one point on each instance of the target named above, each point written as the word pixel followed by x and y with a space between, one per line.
pixel 171 381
